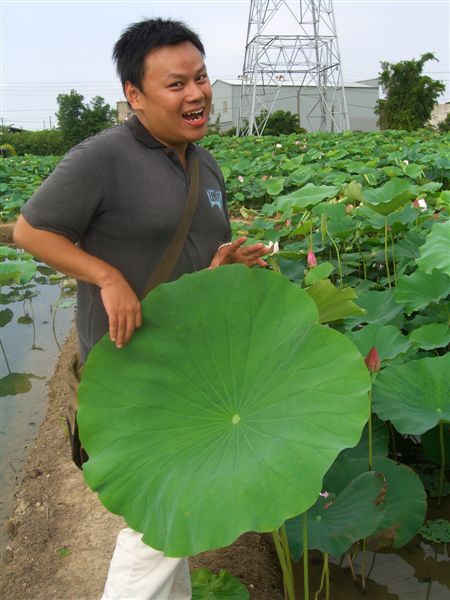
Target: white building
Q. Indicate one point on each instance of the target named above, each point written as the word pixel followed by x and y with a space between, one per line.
pixel 361 100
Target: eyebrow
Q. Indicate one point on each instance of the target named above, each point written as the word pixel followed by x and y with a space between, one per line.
pixel 182 75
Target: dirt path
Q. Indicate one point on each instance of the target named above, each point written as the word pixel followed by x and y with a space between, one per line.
pixel 62 538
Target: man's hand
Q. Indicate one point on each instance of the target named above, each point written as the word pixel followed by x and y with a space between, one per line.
pixel 236 252
pixel 123 309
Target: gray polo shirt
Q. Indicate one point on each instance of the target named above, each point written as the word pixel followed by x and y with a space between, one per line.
pixel 120 195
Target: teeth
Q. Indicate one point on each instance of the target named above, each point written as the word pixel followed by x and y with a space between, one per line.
pixel 195 112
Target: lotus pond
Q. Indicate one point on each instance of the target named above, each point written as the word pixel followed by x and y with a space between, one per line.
pixel 312 399
pixel 35 317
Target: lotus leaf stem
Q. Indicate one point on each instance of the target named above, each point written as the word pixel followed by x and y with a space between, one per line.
pixel 394 445
pixel 369 430
pixel 442 472
pixel 322 579
pixel 287 579
pixel 363 565
pixel 305 556
pixel 386 251
pixel 285 543
pixel 33 345
pixel 4 354
pixel 393 258
pixel 327 578
pixel 341 281
pixel 352 568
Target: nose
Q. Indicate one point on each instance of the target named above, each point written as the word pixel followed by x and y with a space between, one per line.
pixel 194 92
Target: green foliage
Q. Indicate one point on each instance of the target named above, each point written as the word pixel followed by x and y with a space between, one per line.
pixel 7 150
pixel 40 143
pixel 223 586
pixel 436 531
pixel 410 96
pixel 20 176
pixel 78 120
pixel 444 126
pixel 280 122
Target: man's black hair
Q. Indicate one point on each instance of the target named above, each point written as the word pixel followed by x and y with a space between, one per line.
pixel 141 38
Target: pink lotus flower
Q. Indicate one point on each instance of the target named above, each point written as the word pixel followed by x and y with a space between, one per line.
pixel 420 203
pixel 372 360
pixel 241 179
pixel 312 261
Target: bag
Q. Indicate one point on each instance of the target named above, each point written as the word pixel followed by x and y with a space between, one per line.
pixel 161 274
pixel 79 455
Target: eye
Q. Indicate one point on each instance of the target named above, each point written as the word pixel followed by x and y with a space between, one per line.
pixel 203 77
pixel 176 84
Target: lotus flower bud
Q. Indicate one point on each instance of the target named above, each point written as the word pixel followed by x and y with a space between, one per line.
pixel 372 360
pixel 312 261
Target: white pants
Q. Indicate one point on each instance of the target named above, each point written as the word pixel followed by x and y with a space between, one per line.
pixel 138 572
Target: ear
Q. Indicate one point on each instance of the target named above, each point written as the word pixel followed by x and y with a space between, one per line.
pixel 133 95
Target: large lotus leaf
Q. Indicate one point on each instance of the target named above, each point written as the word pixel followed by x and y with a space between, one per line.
pixel 416 291
pixel 405 497
pixel 435 253
pixel 334 525
pixel 415 396
pixel 274 186
pixel 318 273
pixel 223 413
pixel 387 339
pixel 306 197
pixel 332 303
pixel 405 215
pixel 433 335
pixel 390 196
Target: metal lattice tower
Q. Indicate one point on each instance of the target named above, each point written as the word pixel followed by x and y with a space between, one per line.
pixel 308 58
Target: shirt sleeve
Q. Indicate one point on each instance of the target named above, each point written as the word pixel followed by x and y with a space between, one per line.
pixel 68 200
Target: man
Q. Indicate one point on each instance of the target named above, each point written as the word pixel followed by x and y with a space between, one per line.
pixel 110 209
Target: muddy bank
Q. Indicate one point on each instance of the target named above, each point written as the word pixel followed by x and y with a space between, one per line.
pixel 61 538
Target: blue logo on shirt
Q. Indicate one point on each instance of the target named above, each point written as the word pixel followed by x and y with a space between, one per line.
pixel 215 198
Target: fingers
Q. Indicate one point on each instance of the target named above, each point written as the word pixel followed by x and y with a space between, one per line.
pixel 124 312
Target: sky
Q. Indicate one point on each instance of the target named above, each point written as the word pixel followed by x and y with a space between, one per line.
pixel 50 47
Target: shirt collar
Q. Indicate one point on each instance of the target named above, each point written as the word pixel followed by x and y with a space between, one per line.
pixel 142 135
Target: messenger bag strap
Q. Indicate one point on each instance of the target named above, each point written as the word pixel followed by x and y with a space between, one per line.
pixel 169 259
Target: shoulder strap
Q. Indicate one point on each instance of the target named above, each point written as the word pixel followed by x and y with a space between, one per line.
pixel 169 259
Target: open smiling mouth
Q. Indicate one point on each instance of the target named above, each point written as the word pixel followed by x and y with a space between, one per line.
pixel 194 115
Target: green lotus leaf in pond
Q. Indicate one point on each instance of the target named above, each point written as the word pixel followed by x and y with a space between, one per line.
pixel 20 271
pixel 335 524
pixel 416 291
pixel 6 316
pixel 14 384
pixel 379 307
pixel 274 186
pixel 415 396
pixel 223 586
pixel 435 253
pixel 332 303
pixel 306 197
pixel 353 191
pixel 436 531
pixel 318 273
pixel 390 196
pixel 380 441
pixel 223 413
pixel 433 335
pixel 405 497
pixel 387 339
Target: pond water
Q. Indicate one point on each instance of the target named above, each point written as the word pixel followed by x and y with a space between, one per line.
pixel 30 344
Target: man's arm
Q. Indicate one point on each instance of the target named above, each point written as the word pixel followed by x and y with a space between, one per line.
pixel 121 303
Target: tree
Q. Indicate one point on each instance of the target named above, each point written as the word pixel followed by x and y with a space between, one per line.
pixel 410 96
pixel 280 122
pixel 444 125
pixel 78 120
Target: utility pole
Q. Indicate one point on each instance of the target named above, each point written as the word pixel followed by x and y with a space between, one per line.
pixel 50 121
pixel 304 61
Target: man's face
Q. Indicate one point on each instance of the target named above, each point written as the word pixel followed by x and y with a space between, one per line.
pixel 175 100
